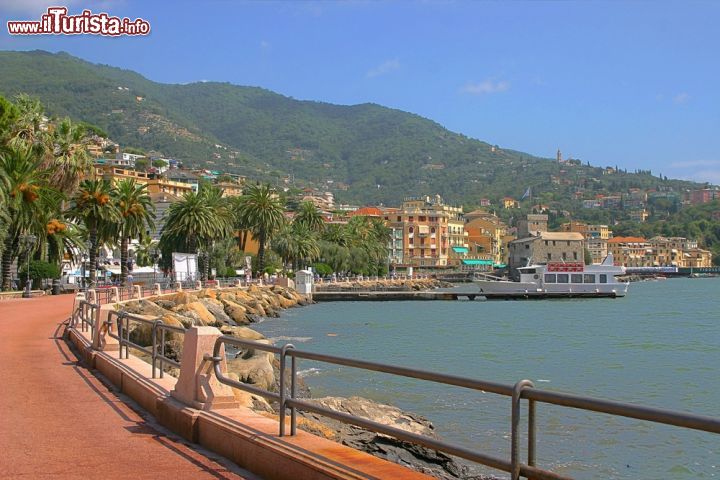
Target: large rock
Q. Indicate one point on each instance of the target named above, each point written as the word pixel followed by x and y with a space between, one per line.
pixel 254 367
pixel 216 309
pixel 236 311
pixel 198 311
pixel 416 457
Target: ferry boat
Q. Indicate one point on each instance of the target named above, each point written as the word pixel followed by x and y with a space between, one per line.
pixel 557 280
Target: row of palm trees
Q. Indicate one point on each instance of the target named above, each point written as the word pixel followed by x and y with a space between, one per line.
pixel 49 195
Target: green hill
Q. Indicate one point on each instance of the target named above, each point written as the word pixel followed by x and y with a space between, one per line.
pixel 363 153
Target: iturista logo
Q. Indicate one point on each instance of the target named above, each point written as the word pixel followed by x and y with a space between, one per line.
pixel 56 21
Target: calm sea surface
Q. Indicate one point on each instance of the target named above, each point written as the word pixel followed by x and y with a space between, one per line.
pixel 659 346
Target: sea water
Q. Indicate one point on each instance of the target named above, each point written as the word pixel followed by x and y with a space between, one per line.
pixel 659 346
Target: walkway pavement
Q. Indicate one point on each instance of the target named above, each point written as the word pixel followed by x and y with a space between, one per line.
pixel 58 420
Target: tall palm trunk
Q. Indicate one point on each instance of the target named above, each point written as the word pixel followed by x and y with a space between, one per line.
pixel 261 253
pixel 123 259
pixel 7 257
pixel 92 266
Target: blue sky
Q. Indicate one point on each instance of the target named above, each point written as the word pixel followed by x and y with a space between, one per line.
pixel 634 84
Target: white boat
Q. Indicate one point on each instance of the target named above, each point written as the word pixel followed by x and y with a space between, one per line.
pixel 557 280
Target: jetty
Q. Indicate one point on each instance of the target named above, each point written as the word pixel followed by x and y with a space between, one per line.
pixel 381 296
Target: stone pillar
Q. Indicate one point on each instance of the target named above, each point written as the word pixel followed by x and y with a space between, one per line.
pixel 198 285
pixel 138 291
pixel 91 295
pixel 115 294
pixel 101 340
pixel 197 385
pixel 178 286
pixel 157 289
pixel 238 283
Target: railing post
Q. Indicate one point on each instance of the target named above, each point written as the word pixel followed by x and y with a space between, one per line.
pixel 115 295
pixel 198 285
pixel 178 286
pixel 138 291
pixel 157 289
pixel 92 295
pixel 283 394
pixel 197 384
pixel 515 428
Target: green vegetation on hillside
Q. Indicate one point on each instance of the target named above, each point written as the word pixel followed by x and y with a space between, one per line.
pixel 363 153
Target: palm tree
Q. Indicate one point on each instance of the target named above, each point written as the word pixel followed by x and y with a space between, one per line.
pixel 309 215
pixel 136 217
pixel 93 207
pixel 28 196
pixel 295 243
pixel 195 222
pixel 70 159
pixel 262 210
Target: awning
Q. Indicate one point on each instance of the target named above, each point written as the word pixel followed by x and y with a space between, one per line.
pixel 477 262
pixel 460 249
pixel 499 265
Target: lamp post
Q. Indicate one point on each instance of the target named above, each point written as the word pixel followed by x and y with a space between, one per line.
pixel 155 256
pixel 28 240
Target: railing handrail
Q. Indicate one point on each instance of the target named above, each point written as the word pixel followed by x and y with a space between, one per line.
pixel 157 348
pixel 523 389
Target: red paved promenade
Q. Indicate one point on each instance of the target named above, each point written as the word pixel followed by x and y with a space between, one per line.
pixel 58 420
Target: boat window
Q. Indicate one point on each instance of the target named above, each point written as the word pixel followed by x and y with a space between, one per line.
pixel 576 278
pixel 529 270
pixel 549 278
pixel 603 278
pixel 563 278
pixel 589 278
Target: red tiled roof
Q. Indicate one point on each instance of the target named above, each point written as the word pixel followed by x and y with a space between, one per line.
pixel 366 212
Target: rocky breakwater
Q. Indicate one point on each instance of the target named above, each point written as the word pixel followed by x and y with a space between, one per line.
pixel 230 310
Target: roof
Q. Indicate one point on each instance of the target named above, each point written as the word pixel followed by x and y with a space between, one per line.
pixel 561 236
pixel 367 212
pixel 627 240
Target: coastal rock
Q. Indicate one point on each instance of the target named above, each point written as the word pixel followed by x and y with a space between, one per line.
pixel 416 457
pixel 196 310
pixel 254 367
pixel 237 312
pixel 217 310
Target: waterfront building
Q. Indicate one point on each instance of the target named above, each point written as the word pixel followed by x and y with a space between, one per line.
pixel 532 224
pixel 155 183
pixel 430 230
pixel 630 251
pixel 545 247
pixel 486 236
pixel 596 238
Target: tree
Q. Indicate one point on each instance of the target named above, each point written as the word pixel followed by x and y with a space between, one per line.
pixel 136 217
pixel 142 164
pixel 309 216
pixel 261 209
pixel 92 206
pixel 295 243
pixel 69 160
pixel 159 163
pixel 195 222
pixel 27 195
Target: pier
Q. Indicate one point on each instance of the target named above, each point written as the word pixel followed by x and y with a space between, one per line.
pixel 381 296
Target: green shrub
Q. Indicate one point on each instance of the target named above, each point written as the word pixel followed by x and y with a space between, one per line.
pixel 39 271
pixel 322 269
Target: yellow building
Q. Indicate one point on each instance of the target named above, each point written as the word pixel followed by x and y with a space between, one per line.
pixel 486 235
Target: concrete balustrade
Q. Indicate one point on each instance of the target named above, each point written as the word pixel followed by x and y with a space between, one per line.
pixel 178 286
pixel 197 384
pixel 137 291
pixel 157 290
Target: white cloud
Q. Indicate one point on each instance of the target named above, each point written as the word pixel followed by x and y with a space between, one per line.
pixel 681 98
pixel 697 170
pixel 384 68
pixel 486 87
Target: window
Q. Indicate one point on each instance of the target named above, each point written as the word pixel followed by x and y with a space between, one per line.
pixel 432 230
pixel 568 243
pixel 589 278
pixel 576 278
pixel 527 246
pixel 563 278
pixel 553 243
pixel 399 219
pixel 549 278
pixel 575 255
pixel 546 243
pixel 549 256
pixel 411 219
pixel 411 230
pixel 421 219
pixel 564 256
pixel 603 278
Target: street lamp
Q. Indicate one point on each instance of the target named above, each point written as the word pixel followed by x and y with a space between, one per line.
pixel 155 256
pixel 28 240
pixel 83 259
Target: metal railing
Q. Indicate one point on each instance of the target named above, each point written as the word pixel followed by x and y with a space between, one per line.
pixel 522 390
pixel 156 349
pixel 86 316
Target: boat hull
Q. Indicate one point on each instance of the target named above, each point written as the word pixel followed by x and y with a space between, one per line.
pixel 509 290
